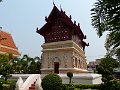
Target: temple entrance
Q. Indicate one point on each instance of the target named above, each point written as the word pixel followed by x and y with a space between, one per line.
pixel 56 67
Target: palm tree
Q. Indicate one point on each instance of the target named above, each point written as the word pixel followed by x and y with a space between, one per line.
pixel 38 64
pixel 24 63
pixel 105 18
pixel 32 66
pixel 26 60
pixel 35 65
pixel 16 65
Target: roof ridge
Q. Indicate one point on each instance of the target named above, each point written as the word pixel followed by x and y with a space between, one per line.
pixel 1 30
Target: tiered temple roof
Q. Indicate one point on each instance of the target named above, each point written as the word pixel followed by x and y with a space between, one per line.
pixel 7 44
pixel 67 20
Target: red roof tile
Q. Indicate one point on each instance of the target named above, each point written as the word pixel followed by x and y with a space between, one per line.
pixel 6 40
pixel 9 51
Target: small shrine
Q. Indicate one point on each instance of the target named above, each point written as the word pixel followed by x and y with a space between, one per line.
pixel 64 47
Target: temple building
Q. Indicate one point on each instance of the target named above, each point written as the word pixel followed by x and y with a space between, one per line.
pixel 64 47
pixel 7 44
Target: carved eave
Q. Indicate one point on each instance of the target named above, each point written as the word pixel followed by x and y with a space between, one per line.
pixel 85 44
pixel 44 29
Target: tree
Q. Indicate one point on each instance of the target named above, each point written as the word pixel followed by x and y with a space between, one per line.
pixel 5 65
pixel 106 68
pixel 25 61
pixel 70 75
pixel 16 65
pixel 26 65
pixel 38 67
pixel 32 66
pixel 38 64
pixel 118 54
pixel 35 65
pixel 106 17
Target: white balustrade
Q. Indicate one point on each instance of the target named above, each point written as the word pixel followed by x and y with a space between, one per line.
pixel 38 84
pixel 30 80
pixel 19 84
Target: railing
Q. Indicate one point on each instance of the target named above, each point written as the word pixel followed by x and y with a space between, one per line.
pixel 30 80
pixel 38 84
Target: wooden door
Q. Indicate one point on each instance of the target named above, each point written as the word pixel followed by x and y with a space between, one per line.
pixel 56 67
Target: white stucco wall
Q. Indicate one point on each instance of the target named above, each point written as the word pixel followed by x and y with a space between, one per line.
pixel 83 78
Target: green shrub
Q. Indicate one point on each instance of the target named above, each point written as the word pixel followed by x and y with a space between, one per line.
pixel 52 82
pixel 1 83
pixel 110 85
pixel 12 84
pixel 87 86
pixel 65 87
pixel 7 85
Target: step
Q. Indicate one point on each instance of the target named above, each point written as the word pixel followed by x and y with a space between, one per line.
pixel 32 84
pixel 32 87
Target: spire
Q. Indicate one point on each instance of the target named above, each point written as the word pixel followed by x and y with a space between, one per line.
pixel 70 17
pixel 78 24
pixel 53 3
pixel 74 22
pixel 37 29
pixel 60 7
pixel 46 19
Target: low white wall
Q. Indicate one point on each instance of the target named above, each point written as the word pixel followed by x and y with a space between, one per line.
pixel 97 80
pixel 16 76
pixel 83 78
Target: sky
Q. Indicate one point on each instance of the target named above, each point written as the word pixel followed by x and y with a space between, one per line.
pixel 20 18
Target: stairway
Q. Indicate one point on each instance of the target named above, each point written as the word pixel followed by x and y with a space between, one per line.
pixel 32 87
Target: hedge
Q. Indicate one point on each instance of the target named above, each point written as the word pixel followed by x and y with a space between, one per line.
pixel 81 86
